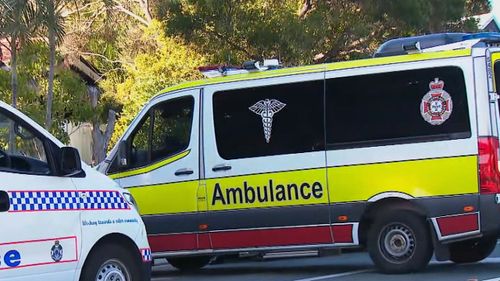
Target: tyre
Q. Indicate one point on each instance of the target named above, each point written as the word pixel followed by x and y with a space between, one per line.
pixel 472 250
pixel 399 241
pixel 111 262
pixel 189 263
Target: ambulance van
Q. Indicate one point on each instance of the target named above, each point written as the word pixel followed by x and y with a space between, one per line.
pixel 60 220
pixel 396 153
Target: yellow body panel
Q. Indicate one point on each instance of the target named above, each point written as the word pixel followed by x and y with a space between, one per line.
pixel 494 58
pixel 169 198
pixel 149 168
pixel 419 178
pixel 280 178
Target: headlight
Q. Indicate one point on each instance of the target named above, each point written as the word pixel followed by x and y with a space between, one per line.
pixel 130 199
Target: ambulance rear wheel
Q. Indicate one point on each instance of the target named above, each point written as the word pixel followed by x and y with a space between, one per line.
pixel 472 250
pixel 111 263
pixel 399 242
pixel 189 263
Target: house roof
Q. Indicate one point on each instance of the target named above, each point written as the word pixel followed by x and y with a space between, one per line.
pixel 485 19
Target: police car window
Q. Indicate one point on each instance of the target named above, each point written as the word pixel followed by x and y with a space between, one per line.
pixel 20 150
pixel 396 107
pixel 270 120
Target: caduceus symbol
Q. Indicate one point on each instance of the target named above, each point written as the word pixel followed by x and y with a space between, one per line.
pixel 266 109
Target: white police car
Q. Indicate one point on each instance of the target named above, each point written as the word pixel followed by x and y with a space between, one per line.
pixel 59 219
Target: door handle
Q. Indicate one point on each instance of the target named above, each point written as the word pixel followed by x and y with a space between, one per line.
pixel 221 167
pixel 183 172
pixel 4 201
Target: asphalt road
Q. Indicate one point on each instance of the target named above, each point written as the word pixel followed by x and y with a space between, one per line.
pixel 344 267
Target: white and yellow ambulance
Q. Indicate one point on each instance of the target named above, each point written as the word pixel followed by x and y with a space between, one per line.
pixel 397 153
pixel 60 220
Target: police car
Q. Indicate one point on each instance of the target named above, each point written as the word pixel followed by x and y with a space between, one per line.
pixel 59 219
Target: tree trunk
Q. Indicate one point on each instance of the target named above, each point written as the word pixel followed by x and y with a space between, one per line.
pixel 13 81
pixel 100 140
pixel 50 90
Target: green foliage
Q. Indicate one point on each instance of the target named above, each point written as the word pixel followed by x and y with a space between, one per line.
pixel 159 62
pixel 71 102
pixel 235 31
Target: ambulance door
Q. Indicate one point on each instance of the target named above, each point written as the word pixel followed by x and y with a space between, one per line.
pixel 162 170
pixel 265 163
pixel 40 232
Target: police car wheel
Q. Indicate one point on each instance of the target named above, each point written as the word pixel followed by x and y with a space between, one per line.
pixel 472 250
pixel 111 263
pixel 399 242
pixel 189 263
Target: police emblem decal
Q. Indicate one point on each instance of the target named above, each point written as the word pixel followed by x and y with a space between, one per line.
pixel 436 105
pixel 56 252
pixel 266 109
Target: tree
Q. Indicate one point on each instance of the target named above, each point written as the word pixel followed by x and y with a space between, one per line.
pixel 52 22
pixel 71 104
pixel 307 31
pixel 19 23
pixel 159 62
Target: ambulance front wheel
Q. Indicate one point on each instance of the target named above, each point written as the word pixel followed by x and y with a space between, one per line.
pixel 472 250
pixel 189 263
pixel 111 262
pixel 399 241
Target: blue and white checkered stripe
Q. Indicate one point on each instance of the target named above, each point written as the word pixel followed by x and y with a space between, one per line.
pixel 146 255
pixel 32 201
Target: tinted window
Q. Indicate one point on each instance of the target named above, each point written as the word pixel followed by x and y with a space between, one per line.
pixel 171 127
pixel 139 154
pixel 20 150
pixel 163 132
pixel 271 120
pixel 385 108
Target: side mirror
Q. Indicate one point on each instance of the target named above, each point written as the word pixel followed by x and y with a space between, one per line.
pixel 122 154
pixel 4 201
pixel 71 164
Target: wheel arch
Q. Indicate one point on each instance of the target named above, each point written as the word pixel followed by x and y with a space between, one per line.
pixel 375 207
pixel 112 238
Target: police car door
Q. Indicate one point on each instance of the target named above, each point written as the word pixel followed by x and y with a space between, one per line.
pixel 265 162
pixel 39 236
pixel 163 170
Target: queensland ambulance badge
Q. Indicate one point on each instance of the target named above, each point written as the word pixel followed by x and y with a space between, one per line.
pixel 436 105
pixel 266 109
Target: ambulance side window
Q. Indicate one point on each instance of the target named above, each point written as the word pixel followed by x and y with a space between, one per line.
pixel 389 108
pixel 269 120
pixel 21 150
pixel 163 132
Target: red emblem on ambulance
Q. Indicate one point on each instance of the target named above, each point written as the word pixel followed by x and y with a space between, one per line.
pixel 436 105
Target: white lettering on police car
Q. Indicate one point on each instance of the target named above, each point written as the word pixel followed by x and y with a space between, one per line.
pixel 436 105
pixel 40 200
pixel 266 109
